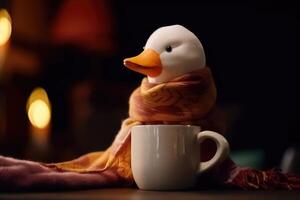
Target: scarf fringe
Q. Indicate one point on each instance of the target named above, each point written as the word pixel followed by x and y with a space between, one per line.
pixel 273 179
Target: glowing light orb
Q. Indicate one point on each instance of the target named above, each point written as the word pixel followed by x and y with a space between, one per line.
pixel 39 114
pixel 39 109
pixel 5 27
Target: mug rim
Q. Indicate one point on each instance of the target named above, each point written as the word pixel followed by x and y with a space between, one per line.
pixel 168 125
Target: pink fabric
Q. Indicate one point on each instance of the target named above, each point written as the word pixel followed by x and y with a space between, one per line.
pixel 21 175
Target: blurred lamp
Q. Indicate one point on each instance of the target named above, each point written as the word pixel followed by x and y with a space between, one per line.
pixel 5 32
pixel 39 114
pixel 5 27
pixel 87 24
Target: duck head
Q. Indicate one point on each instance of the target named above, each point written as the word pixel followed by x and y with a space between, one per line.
pixel 170 51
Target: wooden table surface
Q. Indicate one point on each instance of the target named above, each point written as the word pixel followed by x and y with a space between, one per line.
pixel 135 194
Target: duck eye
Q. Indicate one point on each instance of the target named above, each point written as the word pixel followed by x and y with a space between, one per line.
pixel 169 49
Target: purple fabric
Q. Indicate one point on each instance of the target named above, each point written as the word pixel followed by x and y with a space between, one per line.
pixel 22 175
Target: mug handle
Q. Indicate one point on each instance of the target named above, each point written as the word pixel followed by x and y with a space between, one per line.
pixel 221 153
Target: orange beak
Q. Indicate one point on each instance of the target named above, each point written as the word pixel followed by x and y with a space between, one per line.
pixel 147 63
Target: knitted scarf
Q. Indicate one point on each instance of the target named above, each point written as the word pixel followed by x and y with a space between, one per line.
pixel 189 99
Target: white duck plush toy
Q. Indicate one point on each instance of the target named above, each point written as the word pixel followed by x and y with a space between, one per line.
pixel 170 51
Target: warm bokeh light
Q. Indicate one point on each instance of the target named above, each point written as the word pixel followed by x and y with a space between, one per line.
pixel 39 108
pixel 5 27
pixel 39 114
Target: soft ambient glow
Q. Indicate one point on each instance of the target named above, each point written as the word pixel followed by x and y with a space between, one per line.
pixel 5 27
pixel 39 109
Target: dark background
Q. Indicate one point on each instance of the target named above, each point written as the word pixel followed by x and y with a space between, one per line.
pixel 250 47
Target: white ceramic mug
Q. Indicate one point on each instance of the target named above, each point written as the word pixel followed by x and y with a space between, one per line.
pixel 167 157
